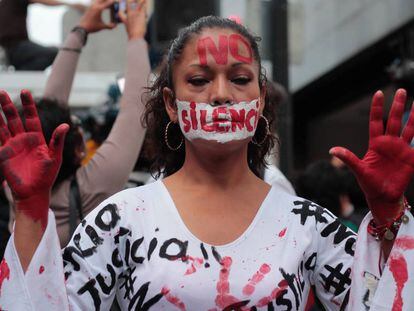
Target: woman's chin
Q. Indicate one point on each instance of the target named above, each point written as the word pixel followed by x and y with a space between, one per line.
pixel 218 145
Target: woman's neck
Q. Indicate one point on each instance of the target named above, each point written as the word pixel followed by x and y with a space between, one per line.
pixel 223 170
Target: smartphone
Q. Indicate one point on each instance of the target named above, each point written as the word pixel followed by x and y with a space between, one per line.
pixel 118 6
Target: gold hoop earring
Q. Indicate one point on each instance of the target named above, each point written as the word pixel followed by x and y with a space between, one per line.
pixel 267 133
pixel 166 138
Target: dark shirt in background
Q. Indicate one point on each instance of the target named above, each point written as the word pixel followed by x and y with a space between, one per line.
pixel 13 28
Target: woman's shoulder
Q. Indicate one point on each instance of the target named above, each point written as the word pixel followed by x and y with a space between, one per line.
pixel 129 200
pixel 299 210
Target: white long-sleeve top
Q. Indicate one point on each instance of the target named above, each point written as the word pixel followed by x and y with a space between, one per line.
pixel 136 248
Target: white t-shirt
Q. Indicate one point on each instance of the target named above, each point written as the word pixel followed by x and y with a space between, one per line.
pixel 135 246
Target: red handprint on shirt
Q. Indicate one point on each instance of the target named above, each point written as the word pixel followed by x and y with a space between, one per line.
pixel 29 166
pixel 388 166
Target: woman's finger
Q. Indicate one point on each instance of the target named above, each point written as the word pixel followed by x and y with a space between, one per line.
pixel 32 121
pixel 346 156
pixel 376 127
pixel 397 110
pixel 4 131
pixel 57 141
pixel 408 131
pixel 13 119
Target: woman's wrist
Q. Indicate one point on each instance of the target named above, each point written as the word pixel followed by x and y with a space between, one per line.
pixel 136 35
pixel 386 226
pixel 33 209
pixel 385 212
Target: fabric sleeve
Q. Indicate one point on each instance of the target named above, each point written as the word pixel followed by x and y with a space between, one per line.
pixel 59 83
pixel 82 277
pixel 42 287
pixel 108 170
pixel 393 287
pixel 330 256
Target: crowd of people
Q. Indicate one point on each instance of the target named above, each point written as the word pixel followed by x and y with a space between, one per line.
pixel 219 228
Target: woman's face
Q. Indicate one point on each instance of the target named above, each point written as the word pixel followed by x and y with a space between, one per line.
pixel 216 68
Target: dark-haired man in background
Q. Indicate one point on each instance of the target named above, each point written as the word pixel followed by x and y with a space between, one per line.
pixel 22 53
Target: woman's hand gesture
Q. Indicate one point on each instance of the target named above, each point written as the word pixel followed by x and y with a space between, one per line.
pixel 135 18
pixel 28 164
pixel 388 166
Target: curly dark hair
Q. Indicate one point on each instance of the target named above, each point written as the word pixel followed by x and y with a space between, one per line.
pixel 166 161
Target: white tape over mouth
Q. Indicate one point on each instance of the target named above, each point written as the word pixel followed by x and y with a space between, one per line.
pixel 223 123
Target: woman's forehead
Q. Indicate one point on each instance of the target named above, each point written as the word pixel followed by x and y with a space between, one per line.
pixel 218 46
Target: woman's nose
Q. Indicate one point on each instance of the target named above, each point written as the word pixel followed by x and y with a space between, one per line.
pixel 221 92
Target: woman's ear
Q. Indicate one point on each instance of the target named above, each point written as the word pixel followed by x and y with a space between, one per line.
pixel 170 106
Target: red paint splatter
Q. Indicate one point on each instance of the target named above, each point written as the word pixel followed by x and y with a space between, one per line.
pixel 4 272
pixel 274 294
pixel 41 269
pixel 172 299
pixel 282 233
pixel 255 279
pixel 398 268
pixel 404 242
pixel 196 263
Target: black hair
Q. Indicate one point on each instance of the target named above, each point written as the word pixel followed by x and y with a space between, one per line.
pixel 322 183
pixel 166 161
pixel 52 113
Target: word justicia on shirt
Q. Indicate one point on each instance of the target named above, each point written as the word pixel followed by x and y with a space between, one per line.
pixel 222 123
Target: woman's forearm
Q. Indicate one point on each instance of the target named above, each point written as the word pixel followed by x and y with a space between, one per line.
pixel 59 83
pixel 29 229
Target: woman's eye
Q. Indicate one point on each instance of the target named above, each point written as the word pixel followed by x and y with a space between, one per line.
pixel 241 80
pixel 198 81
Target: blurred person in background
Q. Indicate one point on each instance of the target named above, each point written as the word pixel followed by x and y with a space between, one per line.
pixel 356 204
pixel 22 53
pixel 325 184
pixel 78 189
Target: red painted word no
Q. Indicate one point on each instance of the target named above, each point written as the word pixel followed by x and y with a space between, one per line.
pixel 230 43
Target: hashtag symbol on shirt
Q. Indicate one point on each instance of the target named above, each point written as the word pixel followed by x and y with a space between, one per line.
pixel 336 279
pixel 306 212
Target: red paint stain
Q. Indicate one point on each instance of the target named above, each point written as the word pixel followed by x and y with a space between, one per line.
pixel 196 263
pixel 223 298
pixel 282 233
pixel 398 268
pixel 255 279
pixel 274 294
pixel 4 272
pixel 174 300
pixel 41 269
pixel 404 242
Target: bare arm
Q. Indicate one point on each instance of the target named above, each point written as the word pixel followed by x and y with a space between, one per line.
pixel 108 170
pixel 59 83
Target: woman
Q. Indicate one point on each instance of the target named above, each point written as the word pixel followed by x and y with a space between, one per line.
pixel 211 235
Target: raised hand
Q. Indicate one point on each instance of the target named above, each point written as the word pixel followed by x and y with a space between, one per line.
pixel 135 18
pixel 388 166
pixel 29 166
pixel 92 20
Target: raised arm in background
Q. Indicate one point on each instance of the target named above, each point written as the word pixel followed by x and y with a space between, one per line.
pixel 108 170
pixel 59 83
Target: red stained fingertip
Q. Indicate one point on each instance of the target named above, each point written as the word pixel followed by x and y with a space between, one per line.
pixel 401 94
